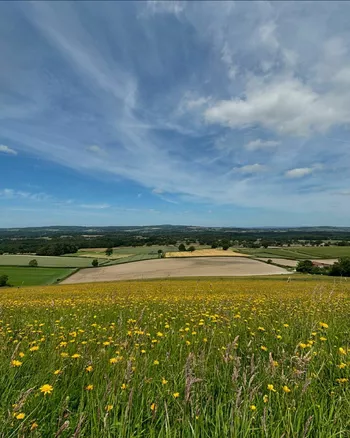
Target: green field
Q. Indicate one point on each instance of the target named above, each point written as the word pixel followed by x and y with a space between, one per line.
pixel 240 358
pixel 66 262
pixel 26 276
pixel 300 252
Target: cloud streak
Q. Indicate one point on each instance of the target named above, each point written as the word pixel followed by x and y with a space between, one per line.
pixel 209 103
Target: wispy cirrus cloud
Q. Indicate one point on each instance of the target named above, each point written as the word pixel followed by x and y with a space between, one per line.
pixel 143 92
pixel 7 150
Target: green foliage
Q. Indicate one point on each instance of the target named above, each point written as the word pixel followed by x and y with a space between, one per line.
pixel 33 263
pixel 94 263
pixel 341 268
pixel 191 248
pixel 109 252
pixel 182 247
pixel 305 266
pixel 3 280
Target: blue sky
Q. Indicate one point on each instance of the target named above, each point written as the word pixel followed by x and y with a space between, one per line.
pixel 121 113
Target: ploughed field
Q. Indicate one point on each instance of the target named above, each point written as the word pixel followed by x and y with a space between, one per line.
pixel 180 358
pixel 177 267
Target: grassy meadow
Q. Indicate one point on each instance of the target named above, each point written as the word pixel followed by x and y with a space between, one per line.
pixel 26 276
pixel 299 252
pixel 45 261
pixel 195 358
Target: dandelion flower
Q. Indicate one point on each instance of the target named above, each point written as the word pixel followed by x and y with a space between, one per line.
pixel 263 348
pixel 89 369
pixel 252 407
pixel 271 388
pixel 123 387
pixel 46 389
pixel 20 416
pixel 156 362
pixel 164 382
pixel 109 408
pixel 57 372
pixel 265 398
pixel 176 395
pixel 341 350
pixel 286 389
pixel 34 426
pixel 153 407
pixel 89 387
pixel 16 363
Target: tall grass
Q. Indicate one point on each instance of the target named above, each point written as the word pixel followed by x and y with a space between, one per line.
pixel 176 359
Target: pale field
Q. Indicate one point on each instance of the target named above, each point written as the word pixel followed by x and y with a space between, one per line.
pixel 205 253
pixel 294 263
pixel 176 267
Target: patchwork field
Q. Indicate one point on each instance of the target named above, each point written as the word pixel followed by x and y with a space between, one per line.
pixel 299 252
pixel 195 358
pixel 177 267
pixel 205 253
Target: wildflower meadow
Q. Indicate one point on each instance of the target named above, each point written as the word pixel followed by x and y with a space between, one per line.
pixel 194 358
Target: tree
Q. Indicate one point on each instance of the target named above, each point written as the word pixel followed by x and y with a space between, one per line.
pixel 109 252
pixel 3 280
pixel 214 245
pixel 225 246
pixel 305 266
pixel 94 263
pixel 341 268
pixel 192 248
pixel 182 247
pixel 33 263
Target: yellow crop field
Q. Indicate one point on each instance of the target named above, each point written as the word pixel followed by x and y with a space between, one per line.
pixel 206 253
pixel 194 358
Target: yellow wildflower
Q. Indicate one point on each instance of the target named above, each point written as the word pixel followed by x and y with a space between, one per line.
pixel 176 394
pixel 89 387
pixel 271 388
pixel 252 407
pixel 16 363
pixel 20 416
pixel 46 389
pixel 286 389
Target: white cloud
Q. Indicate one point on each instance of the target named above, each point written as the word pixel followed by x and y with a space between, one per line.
pixel 6 150
pixel 95 148
pixel 250 168
pixel 286 106
pixel 157 191
pixel 95 206
pixel 166 6
pixel 299 172
pixel 261 144
pixel 19 194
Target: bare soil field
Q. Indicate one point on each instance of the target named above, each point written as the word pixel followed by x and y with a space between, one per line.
pixel 205 253
pixel 177 267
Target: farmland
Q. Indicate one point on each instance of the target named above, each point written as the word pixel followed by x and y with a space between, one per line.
pixel 26 276
pixel 177 267
pixel 204 253
pixel 204 358
pixel 45 261
pixel 299 252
